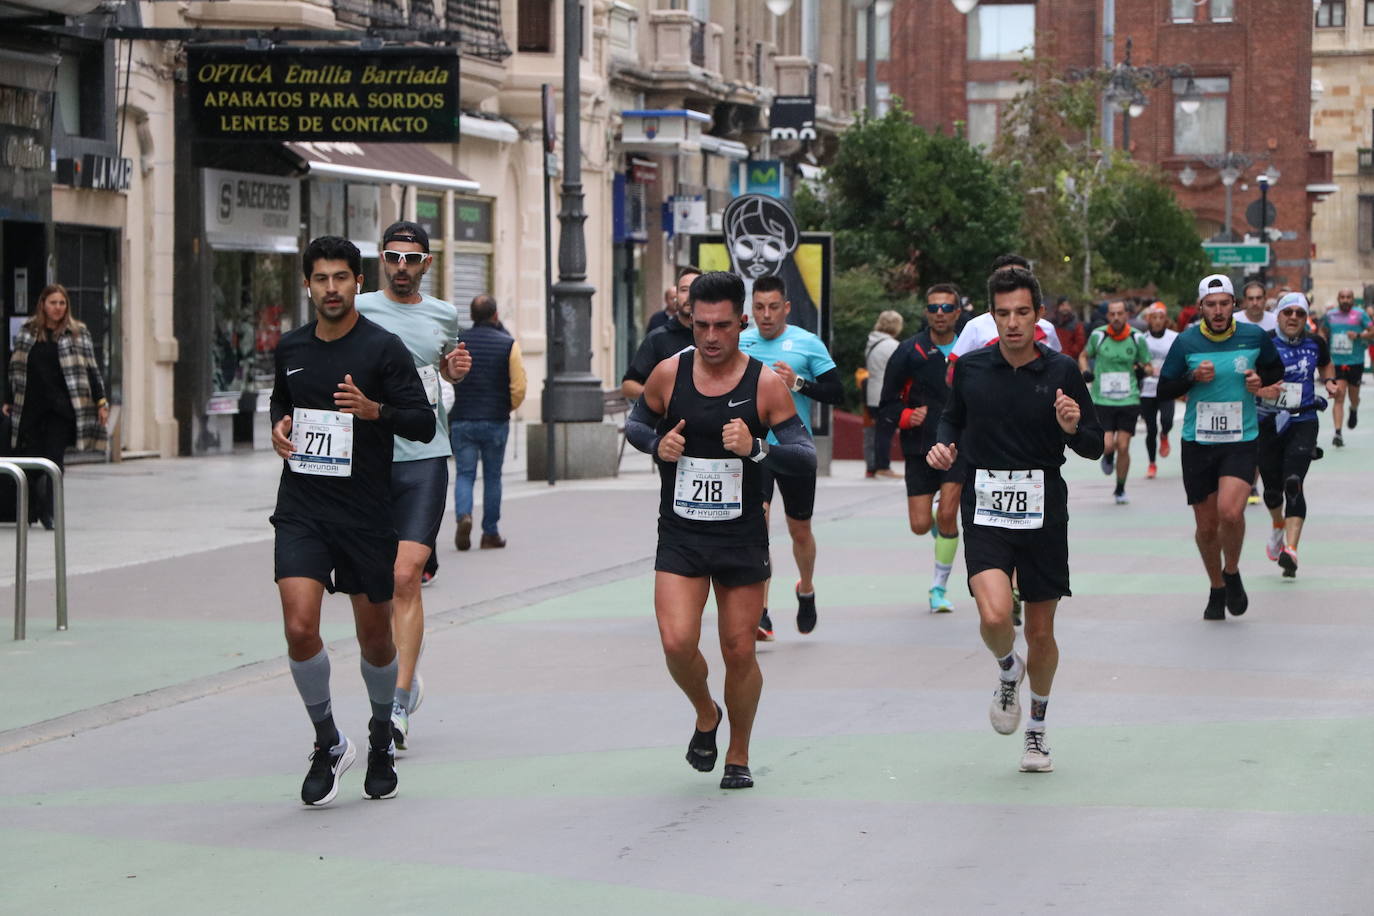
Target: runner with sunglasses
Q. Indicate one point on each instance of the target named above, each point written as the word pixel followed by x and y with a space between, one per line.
pixel 913 397
pixel 419 473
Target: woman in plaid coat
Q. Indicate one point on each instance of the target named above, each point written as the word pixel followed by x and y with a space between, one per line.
pixel 57 398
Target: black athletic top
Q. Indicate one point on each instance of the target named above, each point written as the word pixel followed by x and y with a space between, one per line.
pixel 309 371
pixel 1002 417
pixel 706 417
pixel 915 377
pixel 667 341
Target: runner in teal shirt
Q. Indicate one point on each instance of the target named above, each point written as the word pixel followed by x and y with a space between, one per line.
pixel 1347 330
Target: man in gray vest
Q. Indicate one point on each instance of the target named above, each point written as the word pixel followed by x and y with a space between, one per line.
pixel 480 420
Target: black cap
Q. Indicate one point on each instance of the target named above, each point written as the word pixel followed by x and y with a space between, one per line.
pixel 406 231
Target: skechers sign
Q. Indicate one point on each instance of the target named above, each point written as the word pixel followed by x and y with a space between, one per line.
pixel 395 95
pixel 792 117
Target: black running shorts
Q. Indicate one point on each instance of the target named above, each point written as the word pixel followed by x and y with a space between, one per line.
pixel 1116 419
pixel 1038 558
pixel 1351 375
pixel 354 561
pixel 1205 465
pixel 419 493
pixel 729 565
pixel 924 480
pixel 798 493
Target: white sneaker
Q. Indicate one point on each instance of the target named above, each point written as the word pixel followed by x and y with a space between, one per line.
pixel 1036 759
pixel 1274 547
pixel 1005 712
pixel 417 693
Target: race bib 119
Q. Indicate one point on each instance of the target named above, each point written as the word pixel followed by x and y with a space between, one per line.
pixel 1219 421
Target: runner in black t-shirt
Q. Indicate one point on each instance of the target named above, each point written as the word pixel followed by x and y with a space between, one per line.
pixel 333 518
pixel 658 345
pixel 704 415
pixel 1012 410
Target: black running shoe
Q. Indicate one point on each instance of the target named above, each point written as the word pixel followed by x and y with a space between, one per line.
pixel 806 613
pixel 1236 600
pixel 737 777
pixel 380 781
pixel 1337 441
pixel 322 781
pixel 765 628
pixel 1216 605
pixel 1354 416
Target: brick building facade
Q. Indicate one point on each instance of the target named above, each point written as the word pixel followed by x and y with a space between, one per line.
pixel 1252 60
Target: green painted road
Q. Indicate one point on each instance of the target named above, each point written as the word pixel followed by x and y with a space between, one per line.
pixel 153 752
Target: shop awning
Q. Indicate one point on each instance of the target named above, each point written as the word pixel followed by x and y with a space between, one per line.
pixel 399 163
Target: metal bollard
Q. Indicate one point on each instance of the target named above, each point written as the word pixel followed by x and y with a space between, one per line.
pixel 59 525
pixel 21 544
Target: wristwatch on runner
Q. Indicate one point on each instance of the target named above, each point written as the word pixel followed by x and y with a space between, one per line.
pixel 797 383
pixel 760 451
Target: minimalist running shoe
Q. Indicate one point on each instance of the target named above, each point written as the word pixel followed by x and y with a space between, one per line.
pixel 322 779
pixel 400 725
pixel 1288 562
pixel 1122 499
pixel 1273 547
pixel 417 693
pixel 1337 441
pixel 1216 605
pixel 1005 712
pixel 806 612
pixel 1354 416
pixel 380 781
pixel 1237 602
pixel 1107 463
pixel 1036 759
pixel 939 603
pixel 1164 448
pixel 1151 471
pixel 765 630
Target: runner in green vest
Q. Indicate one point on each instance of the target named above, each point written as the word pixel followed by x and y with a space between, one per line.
pixel 1120 351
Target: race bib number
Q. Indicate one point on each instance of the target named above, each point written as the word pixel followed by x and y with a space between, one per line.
pixel 1290 397
pixel 321 443
pixel 1341 344
pixel 429 377
pixel 1149 385
pixel 1009 499
pixel 1115 385
pixel 709 489
pixel 1219 421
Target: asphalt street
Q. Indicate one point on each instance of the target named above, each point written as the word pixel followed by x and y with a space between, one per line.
pixel 153 753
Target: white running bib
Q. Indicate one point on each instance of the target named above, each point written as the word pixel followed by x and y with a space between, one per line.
pixel 1114 384
pixel 709 489
pixel 321 443
pixel 1290 397
pixel 1149 385
pixel 1009 499
pixel 429 377
pixel 1218 421
pixel 1341 344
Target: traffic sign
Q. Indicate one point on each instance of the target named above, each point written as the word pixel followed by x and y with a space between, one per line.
pixel 1232 255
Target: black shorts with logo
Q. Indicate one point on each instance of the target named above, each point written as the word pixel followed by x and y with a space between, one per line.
pixel 798 493
pixel 1351 375
pixel 1117 419
pixel 924 480
pixel 729 565
pixel 354 561
pixel 1039 557
pixel 1205 465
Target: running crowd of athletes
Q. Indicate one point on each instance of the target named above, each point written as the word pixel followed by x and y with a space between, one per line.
pixel 986 409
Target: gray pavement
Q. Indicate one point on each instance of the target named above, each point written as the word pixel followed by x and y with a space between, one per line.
pixel 154 751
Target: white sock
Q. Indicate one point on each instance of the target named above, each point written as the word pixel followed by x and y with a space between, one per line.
pixel 942 571
pixel 1011 667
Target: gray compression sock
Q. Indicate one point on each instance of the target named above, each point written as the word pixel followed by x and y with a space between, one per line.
pixel 381 687
pixel 312 683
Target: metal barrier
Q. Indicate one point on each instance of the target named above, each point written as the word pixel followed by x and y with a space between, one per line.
pixel 21 542
pixel 16 466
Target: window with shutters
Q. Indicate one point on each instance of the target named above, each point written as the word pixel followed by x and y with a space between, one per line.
pixel 1366 223
pixel 471 278
pixel 472 257
pixel 534 26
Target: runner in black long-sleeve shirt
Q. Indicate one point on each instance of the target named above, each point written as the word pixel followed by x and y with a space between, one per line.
pixel 344 387
pixel 1013 409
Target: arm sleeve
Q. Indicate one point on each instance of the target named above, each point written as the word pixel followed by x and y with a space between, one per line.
pixel 1087 442
pixel 795 453
pixel 517 376
pixel 281 405
pixel 898 373
pixel 826 388
pixel 952 417
pixel 411 415
pixel 1269 364
pixel 641 428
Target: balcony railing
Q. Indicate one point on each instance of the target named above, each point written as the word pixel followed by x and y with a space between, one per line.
pixel 1366 161
pixel 478 21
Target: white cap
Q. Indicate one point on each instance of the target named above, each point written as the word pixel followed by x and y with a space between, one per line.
pixel 1293 301
pixel 1216 283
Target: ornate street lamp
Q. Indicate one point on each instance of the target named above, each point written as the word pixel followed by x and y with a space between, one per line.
pixel 778 7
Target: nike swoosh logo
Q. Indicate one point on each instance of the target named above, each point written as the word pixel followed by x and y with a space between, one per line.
pixel 737 403
pixel 294 371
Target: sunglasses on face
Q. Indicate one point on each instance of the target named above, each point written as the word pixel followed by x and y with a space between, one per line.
pixel 946 307
pixel 405 257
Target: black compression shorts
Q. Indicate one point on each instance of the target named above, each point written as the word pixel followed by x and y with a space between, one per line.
pixel 1117 419
pixel 729 565
pixel 1351 375
pixel 798 493
pixel 1039 558
pixel 1205 465
pixel 924 480
pixel 350 560
pixel 419 493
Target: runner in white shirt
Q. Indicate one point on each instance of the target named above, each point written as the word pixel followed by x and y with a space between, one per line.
pixel 1254 311
pixel 1158 414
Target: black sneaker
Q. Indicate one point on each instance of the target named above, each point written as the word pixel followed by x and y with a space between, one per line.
pixel 1354 415
pixel 1236 600
pixel 1216 605
pixel 1337 441
pixel 380 781
pixel 765 628
pixel 806 613
pixel 322 780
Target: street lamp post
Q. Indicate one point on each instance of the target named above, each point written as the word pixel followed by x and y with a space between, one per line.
pixel 1265 179
pixel 1125 89
pixel 1229 167
pixel 873 10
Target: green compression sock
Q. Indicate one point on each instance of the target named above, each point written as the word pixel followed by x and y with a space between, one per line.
pixel 945 549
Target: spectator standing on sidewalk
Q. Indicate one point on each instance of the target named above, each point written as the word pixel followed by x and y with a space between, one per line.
pixel 480 421
pixel 57 398
pixel 882 343
pixel 1073 334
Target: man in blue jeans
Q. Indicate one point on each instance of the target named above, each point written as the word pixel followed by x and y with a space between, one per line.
pixel 480 421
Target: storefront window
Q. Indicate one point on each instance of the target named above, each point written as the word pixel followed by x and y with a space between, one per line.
pixel 253 297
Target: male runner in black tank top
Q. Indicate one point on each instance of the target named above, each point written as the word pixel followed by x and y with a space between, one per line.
pixel 704 415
